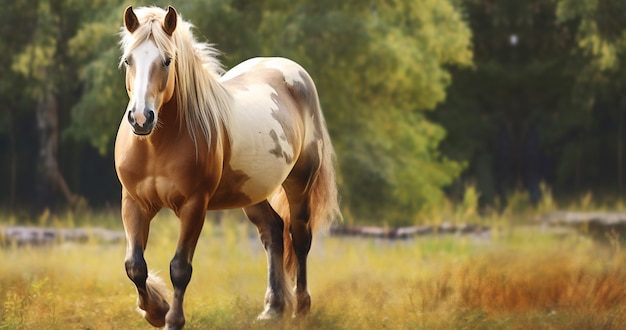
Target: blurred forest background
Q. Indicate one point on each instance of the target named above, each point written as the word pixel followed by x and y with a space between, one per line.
pixel 422 98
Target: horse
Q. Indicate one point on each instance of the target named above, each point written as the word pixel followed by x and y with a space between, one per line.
pixel 195 138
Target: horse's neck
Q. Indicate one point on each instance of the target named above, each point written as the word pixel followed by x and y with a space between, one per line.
pixel 171 128
pixel 169 113
pixel 168 125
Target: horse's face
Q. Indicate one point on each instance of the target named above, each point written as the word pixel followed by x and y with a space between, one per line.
pixel 149 76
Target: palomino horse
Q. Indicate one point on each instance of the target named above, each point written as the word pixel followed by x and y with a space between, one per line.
pixel 194 140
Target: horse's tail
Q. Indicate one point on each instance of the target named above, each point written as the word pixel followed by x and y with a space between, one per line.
pixel 321 190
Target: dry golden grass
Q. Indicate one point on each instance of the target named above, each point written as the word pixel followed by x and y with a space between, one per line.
pixel 522 278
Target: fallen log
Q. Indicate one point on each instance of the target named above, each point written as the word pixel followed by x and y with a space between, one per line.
pixel 570 218
pixel 407 232
pixel 597 224
pixel 25 235
pixel 41 236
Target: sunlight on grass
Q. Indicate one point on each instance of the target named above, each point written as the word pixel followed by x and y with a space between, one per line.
pixel 522 278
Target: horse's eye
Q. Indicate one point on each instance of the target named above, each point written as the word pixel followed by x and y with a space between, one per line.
pixel 126 62
pixel 167 62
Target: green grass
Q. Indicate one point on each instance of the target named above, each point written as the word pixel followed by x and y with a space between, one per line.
pixel 521 278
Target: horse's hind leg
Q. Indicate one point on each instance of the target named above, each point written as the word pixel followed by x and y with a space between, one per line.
pixel 270 227
pixel 301 237
pixel 297 188
pixel 150 290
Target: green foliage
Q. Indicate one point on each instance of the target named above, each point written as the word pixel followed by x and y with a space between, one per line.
pixel 37 58
pixel 104 97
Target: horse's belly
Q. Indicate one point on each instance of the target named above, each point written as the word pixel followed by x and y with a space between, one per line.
pixel 248 183
pixel 264 181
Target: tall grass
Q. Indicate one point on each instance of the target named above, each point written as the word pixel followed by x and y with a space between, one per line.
pixel 522 278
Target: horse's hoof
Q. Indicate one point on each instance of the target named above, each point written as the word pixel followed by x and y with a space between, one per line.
pixel 156 319
pixel 269 314
pixel 173 327
pixel 304 305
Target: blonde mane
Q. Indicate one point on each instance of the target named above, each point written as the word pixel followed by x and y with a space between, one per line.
pixel 203 103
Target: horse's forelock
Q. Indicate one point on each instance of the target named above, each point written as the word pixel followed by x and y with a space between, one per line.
pixel 150 27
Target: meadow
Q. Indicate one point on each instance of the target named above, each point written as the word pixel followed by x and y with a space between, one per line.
pixel 516 277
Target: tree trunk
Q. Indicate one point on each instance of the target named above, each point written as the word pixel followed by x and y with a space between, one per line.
pixel 50 179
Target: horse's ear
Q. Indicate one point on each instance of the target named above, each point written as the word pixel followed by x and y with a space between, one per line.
pixel 169 24
pixel 130 20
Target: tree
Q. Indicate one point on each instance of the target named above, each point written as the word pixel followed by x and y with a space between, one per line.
pixel 600 48
pixel 39 86
pixel 543 101
pixel 37 63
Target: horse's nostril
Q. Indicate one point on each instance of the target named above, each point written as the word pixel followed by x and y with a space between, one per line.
pixel 131 118
pixel 149 116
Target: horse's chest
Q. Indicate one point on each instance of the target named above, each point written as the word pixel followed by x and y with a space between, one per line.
pixel 161 188
pixel 161 180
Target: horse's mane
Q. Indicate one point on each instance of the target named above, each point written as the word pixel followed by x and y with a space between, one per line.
pixel 203 103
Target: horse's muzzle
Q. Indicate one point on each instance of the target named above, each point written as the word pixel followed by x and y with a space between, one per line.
pixel 142 123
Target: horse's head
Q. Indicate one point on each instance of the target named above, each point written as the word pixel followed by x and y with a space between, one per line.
pixel 149 57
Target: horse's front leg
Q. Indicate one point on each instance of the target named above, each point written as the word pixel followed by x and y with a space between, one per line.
pixel 150 289
pixel 192 219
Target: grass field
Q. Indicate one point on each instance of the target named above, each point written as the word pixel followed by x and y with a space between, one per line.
pixel 519 277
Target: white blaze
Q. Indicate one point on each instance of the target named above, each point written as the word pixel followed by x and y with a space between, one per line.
pixel 142 58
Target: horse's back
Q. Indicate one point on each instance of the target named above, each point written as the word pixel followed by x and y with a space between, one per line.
pixel 291 70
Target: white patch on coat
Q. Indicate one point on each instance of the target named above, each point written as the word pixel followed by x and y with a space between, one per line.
pixel 252 141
